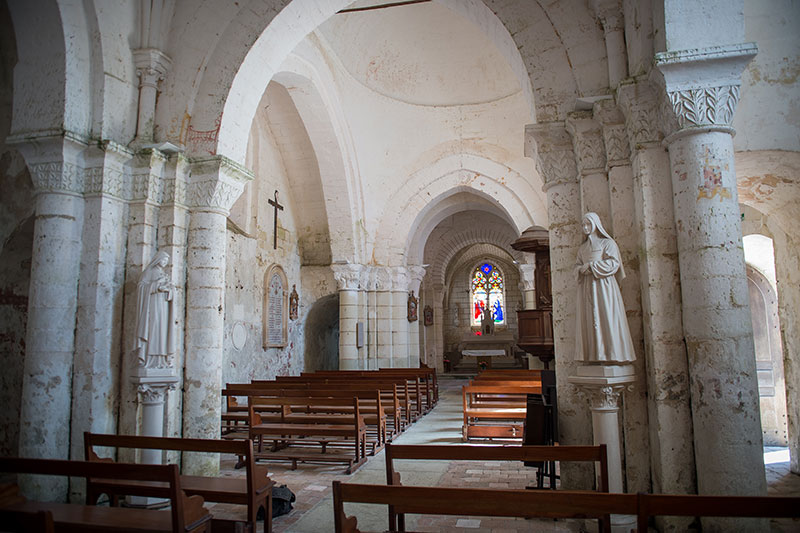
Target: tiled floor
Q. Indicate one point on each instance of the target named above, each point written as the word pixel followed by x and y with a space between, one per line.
pixel 313 511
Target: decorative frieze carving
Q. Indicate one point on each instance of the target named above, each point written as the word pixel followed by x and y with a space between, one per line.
pixel 57 176
pixel 383 278
pixel 639 104
pixel 616 143
pixel 587 141
pixel 216 183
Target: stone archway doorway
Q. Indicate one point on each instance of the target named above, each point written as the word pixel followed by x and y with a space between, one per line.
pixel 322 335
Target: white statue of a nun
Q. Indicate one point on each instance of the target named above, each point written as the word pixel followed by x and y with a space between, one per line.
pixel 602 327
pixel 155 318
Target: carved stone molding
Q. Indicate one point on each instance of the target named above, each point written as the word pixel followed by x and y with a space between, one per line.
pixel 347 276
pixel 551 146
pixel 151 66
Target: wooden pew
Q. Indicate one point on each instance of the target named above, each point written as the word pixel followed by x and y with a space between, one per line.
pixel 287 434
pixel 504 406
pixel 24 521
pixel 479 502
pixel 253 491
pixel 425 377
pixel 596 454
pixel 650 505
pixel 397 395
pixel 186 513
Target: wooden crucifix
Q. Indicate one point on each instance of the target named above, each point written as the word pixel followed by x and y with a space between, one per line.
pixel 277 206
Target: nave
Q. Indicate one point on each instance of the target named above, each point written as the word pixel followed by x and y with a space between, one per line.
pixel 313 510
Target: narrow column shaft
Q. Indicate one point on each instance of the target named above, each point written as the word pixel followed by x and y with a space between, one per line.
pixel 384 328
pixel 348 316
pixel 400 329
pixel 204 335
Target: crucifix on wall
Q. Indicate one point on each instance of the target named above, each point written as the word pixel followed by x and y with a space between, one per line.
pixel 277 206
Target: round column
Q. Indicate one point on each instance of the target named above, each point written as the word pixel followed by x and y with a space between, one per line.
pixel 56 169
pixel 216 183
pixel 400 318
pixel 383 316
pixel 702 89
pixel 347 277
pixel 416 274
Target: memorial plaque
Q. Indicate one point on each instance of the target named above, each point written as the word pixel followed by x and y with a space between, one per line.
pixel 275 312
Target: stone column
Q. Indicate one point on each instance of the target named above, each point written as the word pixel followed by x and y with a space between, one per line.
pixel 372 318
pixel 215 185
pixel 151 67
pixel 100 293
pixel 551 146
pixel 669 415
pixel 437 342
pixel 702 87
pixel 587 142
pixel 415 273
pixel 400 318
pixel 56 167
pixel 383 308
pixel 347 278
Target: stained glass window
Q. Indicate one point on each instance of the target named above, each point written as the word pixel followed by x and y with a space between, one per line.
pixel 488 291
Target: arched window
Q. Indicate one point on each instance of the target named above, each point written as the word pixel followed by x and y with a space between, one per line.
pixel 488 291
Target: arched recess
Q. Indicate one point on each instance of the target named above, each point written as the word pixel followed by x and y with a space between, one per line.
pixel 769 357
pixel 314 96
pixel 322 335
pixel 510 193
pixel 225 85
pixel 58 101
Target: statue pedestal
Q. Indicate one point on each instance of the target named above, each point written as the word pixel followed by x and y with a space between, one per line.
pixel 604 385
pixel 153 384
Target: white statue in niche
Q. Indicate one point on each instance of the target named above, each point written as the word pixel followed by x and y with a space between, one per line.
pixel 155 318
pixel 602 327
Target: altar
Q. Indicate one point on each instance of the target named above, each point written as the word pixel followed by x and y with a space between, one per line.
pixel 487 348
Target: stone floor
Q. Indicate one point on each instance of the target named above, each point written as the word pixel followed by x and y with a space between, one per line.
pixel 313 510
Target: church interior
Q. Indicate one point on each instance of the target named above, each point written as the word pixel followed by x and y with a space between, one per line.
pixel 339 185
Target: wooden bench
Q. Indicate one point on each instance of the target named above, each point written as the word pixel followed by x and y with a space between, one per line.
pixel 24 521
pixel 650 505
pixel 596 454
pixel 253 491
pixel 397 397
pixel 426 378
pixel 387 393
pixel 479 502
pixel 186 513
pixel 504 407
pixel 289 435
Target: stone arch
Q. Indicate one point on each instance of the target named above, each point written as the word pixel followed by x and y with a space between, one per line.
pixel 502 187
pixel 56 102
pixel 225 86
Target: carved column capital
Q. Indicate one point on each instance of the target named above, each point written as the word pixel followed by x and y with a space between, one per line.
pixel 151 66
pixel 615 137
pixel 587 142
pixel 55 160
pixel 702 86
pixel 399 279
pixel 383 278
pixel 347 276
pixel 215 184
pixel 105 170
pixel 416 274
pixel 154 393
pixel 551 146
pixel 640 105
